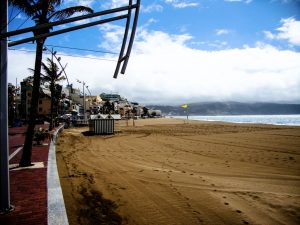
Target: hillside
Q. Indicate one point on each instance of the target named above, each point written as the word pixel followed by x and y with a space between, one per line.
pixel 230 108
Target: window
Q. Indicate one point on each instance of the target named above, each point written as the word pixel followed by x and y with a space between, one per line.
pixel 29 94
pixel 40 102
pixel 40 109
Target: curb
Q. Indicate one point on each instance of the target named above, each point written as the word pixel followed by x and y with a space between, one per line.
pixel 56 206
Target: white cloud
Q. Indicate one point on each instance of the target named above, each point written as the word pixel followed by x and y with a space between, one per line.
pixel 290 31
pixel 164 69
pixel 152 8
pixel 20 16
pixel 113 36
pixel 222 31
pixel 269 35
pixel 181 4
pixel 116 3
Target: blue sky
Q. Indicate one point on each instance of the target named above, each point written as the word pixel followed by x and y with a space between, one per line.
pixel 186 51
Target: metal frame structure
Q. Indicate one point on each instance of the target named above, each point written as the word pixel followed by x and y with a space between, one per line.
pixel 123 60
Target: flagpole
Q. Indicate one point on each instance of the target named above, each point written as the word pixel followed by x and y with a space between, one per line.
pixel 187 113
pixel 185 106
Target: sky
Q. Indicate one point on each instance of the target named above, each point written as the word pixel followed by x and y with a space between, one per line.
pixel 184 51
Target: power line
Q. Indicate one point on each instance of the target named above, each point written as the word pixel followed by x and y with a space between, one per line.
pixel 23 23
pixel 75 56
pixel 13 18
pixel 11 13
pixel 80 49
pixel 83 49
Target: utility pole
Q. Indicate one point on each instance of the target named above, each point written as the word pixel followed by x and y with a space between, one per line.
pixel 83 84
pixel 4 175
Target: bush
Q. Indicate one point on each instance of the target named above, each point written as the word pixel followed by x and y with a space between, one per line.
pixel 40 135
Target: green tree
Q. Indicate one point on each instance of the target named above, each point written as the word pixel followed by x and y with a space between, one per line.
pixel 145 111
pixel 42 12
pixel 52 75
pixel 108 107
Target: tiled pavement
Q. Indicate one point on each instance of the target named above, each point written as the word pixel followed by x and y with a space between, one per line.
pixel 28 186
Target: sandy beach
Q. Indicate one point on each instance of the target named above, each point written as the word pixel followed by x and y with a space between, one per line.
pixel 167 171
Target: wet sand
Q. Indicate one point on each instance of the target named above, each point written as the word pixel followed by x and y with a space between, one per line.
pixel 165 171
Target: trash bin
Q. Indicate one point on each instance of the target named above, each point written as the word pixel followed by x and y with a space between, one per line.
pixel 102 126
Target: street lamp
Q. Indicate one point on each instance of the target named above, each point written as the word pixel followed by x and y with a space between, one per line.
pixel 83 84
pixel 87 87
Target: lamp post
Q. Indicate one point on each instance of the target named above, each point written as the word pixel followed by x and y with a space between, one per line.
pixel 83 84
pixel 87 87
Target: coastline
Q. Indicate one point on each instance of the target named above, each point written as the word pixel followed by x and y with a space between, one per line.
pixel 170 171
pixel 280 120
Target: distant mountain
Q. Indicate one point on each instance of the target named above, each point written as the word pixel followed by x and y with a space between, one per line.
pixel 230 108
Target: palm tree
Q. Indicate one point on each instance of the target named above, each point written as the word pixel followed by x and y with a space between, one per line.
pixel 42 12
pixel 51 75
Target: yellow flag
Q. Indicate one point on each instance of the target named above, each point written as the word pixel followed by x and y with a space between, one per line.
pixel 184 106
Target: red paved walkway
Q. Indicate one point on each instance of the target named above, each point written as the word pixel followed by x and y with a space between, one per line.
pixel 28 187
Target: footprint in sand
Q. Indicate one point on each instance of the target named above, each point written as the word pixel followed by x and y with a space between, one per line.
pixel 196 212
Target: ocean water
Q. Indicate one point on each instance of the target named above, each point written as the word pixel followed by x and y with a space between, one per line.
pixel 288 120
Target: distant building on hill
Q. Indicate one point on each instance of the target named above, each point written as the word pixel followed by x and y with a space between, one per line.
pixel 110 97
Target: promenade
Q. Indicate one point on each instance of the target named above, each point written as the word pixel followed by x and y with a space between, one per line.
pixel 28 186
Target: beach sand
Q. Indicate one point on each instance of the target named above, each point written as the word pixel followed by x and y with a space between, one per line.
pixel 167 171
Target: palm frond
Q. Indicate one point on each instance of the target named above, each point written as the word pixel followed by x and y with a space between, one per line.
pixel 47 69
pixel 32 71
pixel 61 78
pixel 55 3
pixel 68 12
pixel 53 74
pixel 26 6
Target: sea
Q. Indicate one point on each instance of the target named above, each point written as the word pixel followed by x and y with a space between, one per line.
pixel 287 120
